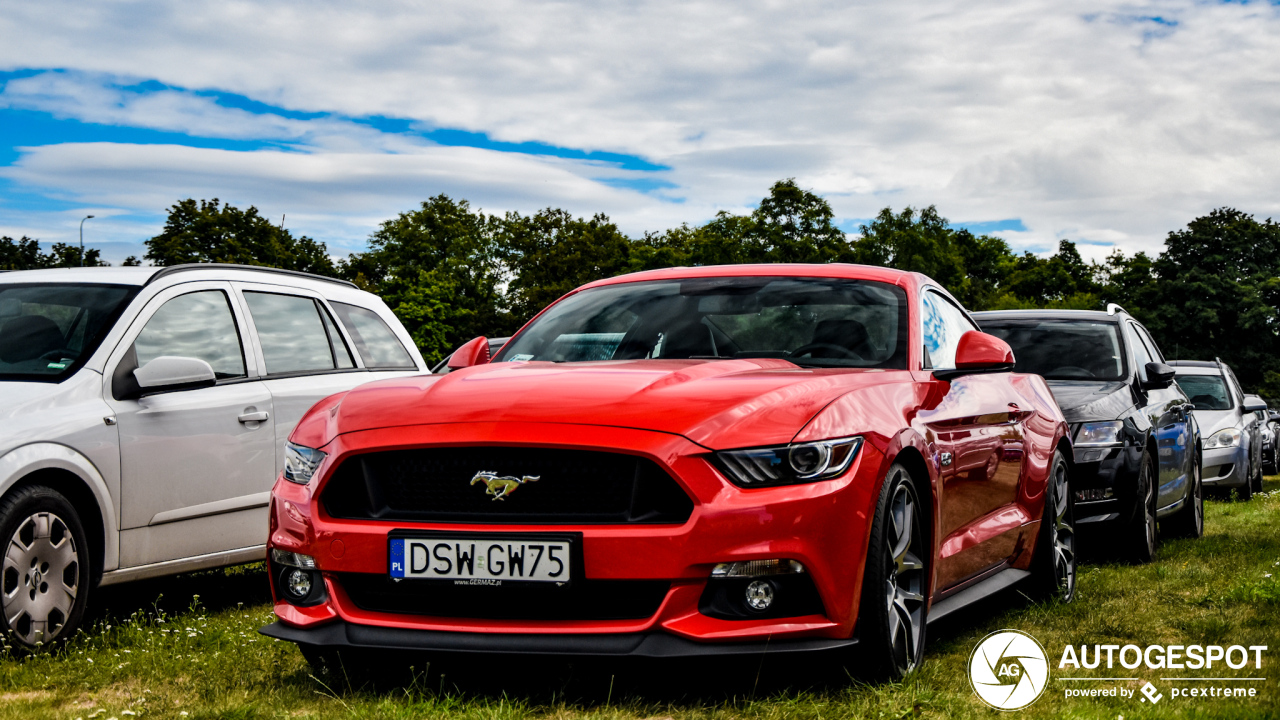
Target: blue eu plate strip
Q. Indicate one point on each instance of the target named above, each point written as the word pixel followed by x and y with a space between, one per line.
pixel 397 558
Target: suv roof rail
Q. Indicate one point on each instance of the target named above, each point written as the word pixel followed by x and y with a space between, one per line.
pixel 1113 308
pixel 174 269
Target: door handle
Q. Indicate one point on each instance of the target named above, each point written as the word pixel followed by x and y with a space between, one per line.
pixel 260 416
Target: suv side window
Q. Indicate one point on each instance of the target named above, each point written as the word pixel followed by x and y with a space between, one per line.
pixel 377 345
pixel 296 334
pixel 1141 355
pixel 944 323
pixel 1235 386
pixel 198 325
pixel 1154 350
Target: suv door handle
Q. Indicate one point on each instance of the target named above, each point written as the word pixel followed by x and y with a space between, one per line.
pixel 260 416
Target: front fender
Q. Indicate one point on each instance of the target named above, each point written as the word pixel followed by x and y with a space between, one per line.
pixel 22 461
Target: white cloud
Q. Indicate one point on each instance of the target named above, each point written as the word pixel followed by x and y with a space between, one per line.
pixel 1086 121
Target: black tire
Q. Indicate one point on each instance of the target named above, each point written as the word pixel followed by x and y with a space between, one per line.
pixel 1189 521
pixel 1257 481
pixel 45 570
pixel 892 613
pixel 1244 493
pixel 1053 569
pixel 1140 536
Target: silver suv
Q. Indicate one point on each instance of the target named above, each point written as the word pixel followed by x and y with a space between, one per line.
pixel 1229 422
pixel 143 414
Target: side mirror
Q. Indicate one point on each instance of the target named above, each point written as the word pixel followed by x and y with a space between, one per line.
pixel 1254 404
pixel 1159 376
pixel 169 372
pixel 979 353
pixel 473 352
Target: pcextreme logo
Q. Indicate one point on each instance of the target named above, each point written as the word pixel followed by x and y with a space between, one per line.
pixel 1009 670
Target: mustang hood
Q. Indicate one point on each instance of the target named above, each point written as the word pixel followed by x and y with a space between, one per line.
pixel 719 404
pixel 1091 400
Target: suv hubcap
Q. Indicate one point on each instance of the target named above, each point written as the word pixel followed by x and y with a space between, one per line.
pixel 40 578
pixel 904 583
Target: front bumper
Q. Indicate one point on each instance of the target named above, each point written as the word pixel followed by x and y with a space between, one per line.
pixel 1225 468
pixel 649 645
pixel 822 525
pixel 1105 480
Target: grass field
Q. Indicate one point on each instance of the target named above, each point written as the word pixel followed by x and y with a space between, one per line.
pixel 188 647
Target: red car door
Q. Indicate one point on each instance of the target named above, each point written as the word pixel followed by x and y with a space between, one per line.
pixel 977 432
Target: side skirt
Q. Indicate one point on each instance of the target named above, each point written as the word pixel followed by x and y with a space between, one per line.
pixel 974 593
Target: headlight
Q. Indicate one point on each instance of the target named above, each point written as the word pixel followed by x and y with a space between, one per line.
pixel 300 463
pixel 1100 433
pixel 1229 437
pixel 788 464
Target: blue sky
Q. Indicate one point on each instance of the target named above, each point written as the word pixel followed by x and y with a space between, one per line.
pixel 1031 121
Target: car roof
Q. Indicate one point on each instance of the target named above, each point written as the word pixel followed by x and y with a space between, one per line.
pixel 1093 315
pixel 141 276
pixel 824 270
pixel 1196 367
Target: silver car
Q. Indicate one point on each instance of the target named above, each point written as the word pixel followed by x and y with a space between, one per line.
pixel 143 414
pixel 1228 418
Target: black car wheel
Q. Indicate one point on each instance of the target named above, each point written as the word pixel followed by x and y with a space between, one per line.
pixel 1140 545
pixel 1189 521
pixel 1257 481
pixel 1054 565
pixel 44 584
pixel 891 621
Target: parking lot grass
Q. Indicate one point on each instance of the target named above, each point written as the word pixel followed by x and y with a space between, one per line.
pixel 188 647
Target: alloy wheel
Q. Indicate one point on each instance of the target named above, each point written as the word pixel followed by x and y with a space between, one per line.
pixel 1064 535
pixel 1149 510
pixel 1198 498
pixel 904 581
pixel 40 580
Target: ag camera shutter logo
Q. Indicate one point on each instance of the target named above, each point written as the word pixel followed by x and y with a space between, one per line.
pixel 1008 670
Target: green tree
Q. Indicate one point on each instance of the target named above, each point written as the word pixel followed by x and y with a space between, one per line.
pixel 437 267
pixel 1216 293
pixel 209 232
pixel 25 254
pixel 552 252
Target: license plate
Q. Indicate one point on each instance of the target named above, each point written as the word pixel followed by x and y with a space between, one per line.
pixel 480 560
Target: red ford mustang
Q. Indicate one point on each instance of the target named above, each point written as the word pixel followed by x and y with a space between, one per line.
pixel 693 461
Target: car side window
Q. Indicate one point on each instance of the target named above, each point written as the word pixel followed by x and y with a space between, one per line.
pixel 377 345
pixel 944 323
pixel 197 325
pixel 1235 386
pixel 1152 348
pixel 296 334
pixel 1141 355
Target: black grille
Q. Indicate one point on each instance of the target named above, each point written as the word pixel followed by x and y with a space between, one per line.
pixel 573 486
pixel 582 600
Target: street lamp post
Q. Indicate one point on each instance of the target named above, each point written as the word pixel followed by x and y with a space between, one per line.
pixel 86 217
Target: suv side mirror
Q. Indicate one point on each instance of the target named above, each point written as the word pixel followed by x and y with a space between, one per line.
pixel 979 353
pixel 1159 376
pixel 169 372
pixel 1254 404
pixel 473 352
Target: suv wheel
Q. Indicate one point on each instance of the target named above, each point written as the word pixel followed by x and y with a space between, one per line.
pixel 1189 521
pixel 1141 540
pixel 44 584
pixel 892 616
pixel 1054 566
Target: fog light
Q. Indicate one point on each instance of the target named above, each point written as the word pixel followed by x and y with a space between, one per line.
pixel 760 595
pixel 298 583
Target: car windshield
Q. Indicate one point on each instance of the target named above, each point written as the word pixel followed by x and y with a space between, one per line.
pixel 814 322
pixel 48 331
pixel 1062 349
pixel 1207 392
